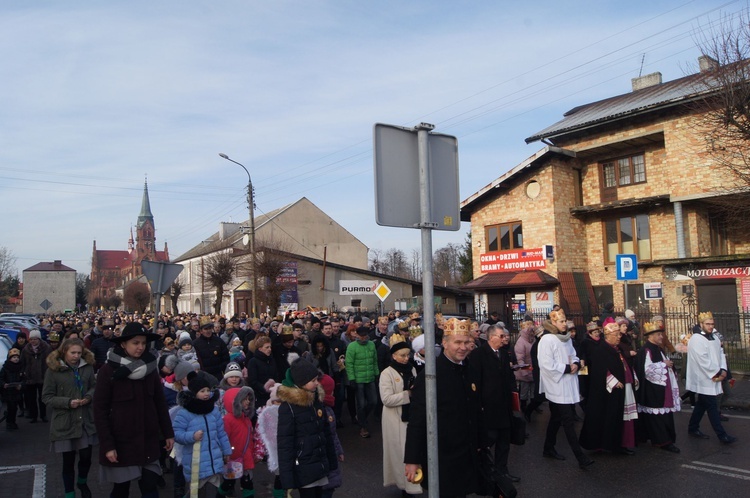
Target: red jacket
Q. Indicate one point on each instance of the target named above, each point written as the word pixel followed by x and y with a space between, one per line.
pixel 239 427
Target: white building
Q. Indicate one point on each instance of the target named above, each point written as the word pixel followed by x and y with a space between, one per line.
pixel 49 288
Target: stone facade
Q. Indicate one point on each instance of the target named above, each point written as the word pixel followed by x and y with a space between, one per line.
pixel 49 288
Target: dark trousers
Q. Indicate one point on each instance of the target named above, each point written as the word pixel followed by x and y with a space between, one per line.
pixel 351 401
pixel 367 398
pixel 11 407
pixel 33 399
pixel 340 396
pixel 706 404
pixel 316 492
pixel 500 438
pixel 147 485
pixel 562 415
pixel 68 467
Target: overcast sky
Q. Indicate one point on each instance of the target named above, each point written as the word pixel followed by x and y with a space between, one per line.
pixel 98 95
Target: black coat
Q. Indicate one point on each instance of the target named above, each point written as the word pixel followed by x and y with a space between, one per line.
pixel 602 427
pixel 495 384
pixel 213 355
pixel 459 427
pixel 304 441
pixel 12 373
pixel 260 368
pixel 648 393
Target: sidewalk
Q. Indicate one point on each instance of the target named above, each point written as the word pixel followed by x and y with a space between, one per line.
pixel 739 396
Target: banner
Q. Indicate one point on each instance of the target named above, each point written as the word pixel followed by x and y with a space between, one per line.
pixel 517 260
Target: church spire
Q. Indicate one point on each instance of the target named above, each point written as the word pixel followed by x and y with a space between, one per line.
pixel 145 207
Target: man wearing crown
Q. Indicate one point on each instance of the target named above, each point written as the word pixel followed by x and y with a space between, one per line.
pixel 457 417
pixel 658 394
pixel 706 368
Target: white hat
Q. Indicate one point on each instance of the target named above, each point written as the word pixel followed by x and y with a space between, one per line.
pixel 35 334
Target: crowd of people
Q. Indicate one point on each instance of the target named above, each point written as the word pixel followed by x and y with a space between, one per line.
pixel 206 399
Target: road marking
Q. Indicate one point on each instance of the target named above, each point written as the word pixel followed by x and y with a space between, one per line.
pixel 40 477
pixel 735 469
pixel 717 472
pixel 689 410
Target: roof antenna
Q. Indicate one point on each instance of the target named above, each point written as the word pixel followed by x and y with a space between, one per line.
pixel 643 58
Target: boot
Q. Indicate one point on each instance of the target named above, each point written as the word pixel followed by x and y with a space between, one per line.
pixel 83 488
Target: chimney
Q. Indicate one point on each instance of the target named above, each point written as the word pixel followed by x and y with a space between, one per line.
pixel 707 63
pixel 646 81
pixel 58 263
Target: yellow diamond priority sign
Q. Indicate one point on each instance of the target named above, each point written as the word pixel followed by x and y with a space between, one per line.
pixel 382 291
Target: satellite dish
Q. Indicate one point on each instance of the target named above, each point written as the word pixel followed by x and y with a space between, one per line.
pixel 246 239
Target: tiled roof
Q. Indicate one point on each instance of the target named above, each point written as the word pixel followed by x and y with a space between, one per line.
pixel 505 280
pixel 49 266
pixel 110 260
pixel 637 102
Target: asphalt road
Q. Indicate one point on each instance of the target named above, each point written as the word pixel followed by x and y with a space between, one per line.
pixel 704 467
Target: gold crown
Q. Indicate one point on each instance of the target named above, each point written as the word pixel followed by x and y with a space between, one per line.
pixel 395 339
pixel 415 332
pixel 557 315
pixel 650 328
pixel 706 315
pixel 439 320
pixel 205 320
pixel 611 328
pixel 454 326
pixel 383 320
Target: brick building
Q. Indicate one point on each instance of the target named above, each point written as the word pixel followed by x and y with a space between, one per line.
pixel 625 175
pixel 111 269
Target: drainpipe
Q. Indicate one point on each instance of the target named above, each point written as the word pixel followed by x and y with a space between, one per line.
pixel 679 226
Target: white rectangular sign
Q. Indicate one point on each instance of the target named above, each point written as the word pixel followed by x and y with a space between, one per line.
pixel 652 290
pixel 356 287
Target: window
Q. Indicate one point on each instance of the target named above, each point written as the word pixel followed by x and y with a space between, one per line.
pixel 504 237
pixel 628 235
pixel 718 230
pixel 624 171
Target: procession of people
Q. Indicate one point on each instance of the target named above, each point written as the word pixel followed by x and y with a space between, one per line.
pixel 143 389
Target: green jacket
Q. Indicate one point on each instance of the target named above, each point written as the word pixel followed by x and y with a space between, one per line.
pixel 60 387
pixel 362 362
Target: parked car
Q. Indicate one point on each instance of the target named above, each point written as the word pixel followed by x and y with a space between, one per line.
pixel 5 345
pixel 23 321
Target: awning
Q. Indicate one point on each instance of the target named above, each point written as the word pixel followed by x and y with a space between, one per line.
pixel 516 279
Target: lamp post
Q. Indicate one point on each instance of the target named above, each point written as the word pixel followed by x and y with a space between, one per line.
pixel 251 211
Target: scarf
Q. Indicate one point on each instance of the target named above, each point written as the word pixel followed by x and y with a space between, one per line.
pixel 563 337
pixel 125 367
pixel 405 371
pixel 76 378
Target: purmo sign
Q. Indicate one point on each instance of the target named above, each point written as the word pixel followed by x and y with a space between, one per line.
pixel 356 287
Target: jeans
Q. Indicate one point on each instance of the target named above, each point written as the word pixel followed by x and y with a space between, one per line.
pixel 367 398
pixel 562 415
pixel 706 404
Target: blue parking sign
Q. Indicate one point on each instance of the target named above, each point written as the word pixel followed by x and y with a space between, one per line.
pixel 627 266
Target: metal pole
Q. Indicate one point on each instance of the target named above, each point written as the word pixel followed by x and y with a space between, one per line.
pixel 428 318
pixel 251 212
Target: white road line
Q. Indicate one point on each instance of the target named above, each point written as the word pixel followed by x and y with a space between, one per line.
pixel 718 472
pixel 734 469
pixel 40 477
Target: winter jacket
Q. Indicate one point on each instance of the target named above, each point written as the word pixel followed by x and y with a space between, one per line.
pixel 60 388
pixel 34 363
pixel 362 362
pixel 131 416
pixel 260 368
pixel 304 442
pixel 522 349
pixel 11 373
pixel 334 476
pixel 239 427
pixel 100 346
pixel 197 415
pixel 213 355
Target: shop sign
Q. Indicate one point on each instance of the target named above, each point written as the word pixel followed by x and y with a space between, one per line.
pixel 708 273
pixel 516 260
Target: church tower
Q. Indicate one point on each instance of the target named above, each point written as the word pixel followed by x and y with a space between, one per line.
pixel 145 235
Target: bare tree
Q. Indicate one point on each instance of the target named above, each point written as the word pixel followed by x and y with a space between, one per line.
pixel 416 264
pixel 176 289
pixel 271 265
pixel 446 267
pixel 83 284
pixel 723 112
pixel 376 260
pixel 7 263
pixel 137 297
pixel 220 269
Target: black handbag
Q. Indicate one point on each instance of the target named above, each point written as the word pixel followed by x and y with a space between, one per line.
pixel 517 429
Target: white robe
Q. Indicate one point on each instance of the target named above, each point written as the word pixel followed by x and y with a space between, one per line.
pixel 554 355
pixel 705 359
pixel 394 430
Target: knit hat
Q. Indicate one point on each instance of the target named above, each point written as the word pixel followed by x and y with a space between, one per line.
pixel 182 370
pixel 328 384
pixel 13 352
pixel 398 346
pixel 233 370
pixel 197 382
pixel 302 372
pixel 184 339
pixel 35 334
pixel 171 361
pixel 363 331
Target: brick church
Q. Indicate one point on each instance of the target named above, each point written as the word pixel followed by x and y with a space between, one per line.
pixel 114 269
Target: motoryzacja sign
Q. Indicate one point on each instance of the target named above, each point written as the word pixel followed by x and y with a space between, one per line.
pixel 356 287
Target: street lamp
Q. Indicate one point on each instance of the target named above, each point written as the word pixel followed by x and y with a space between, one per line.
pixel 250 204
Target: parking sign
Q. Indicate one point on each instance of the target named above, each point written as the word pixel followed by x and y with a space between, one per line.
pixel 627 266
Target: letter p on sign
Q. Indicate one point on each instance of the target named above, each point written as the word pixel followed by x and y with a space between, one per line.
pixel 627 266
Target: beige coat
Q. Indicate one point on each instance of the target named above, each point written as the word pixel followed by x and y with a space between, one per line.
pixel 394 431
